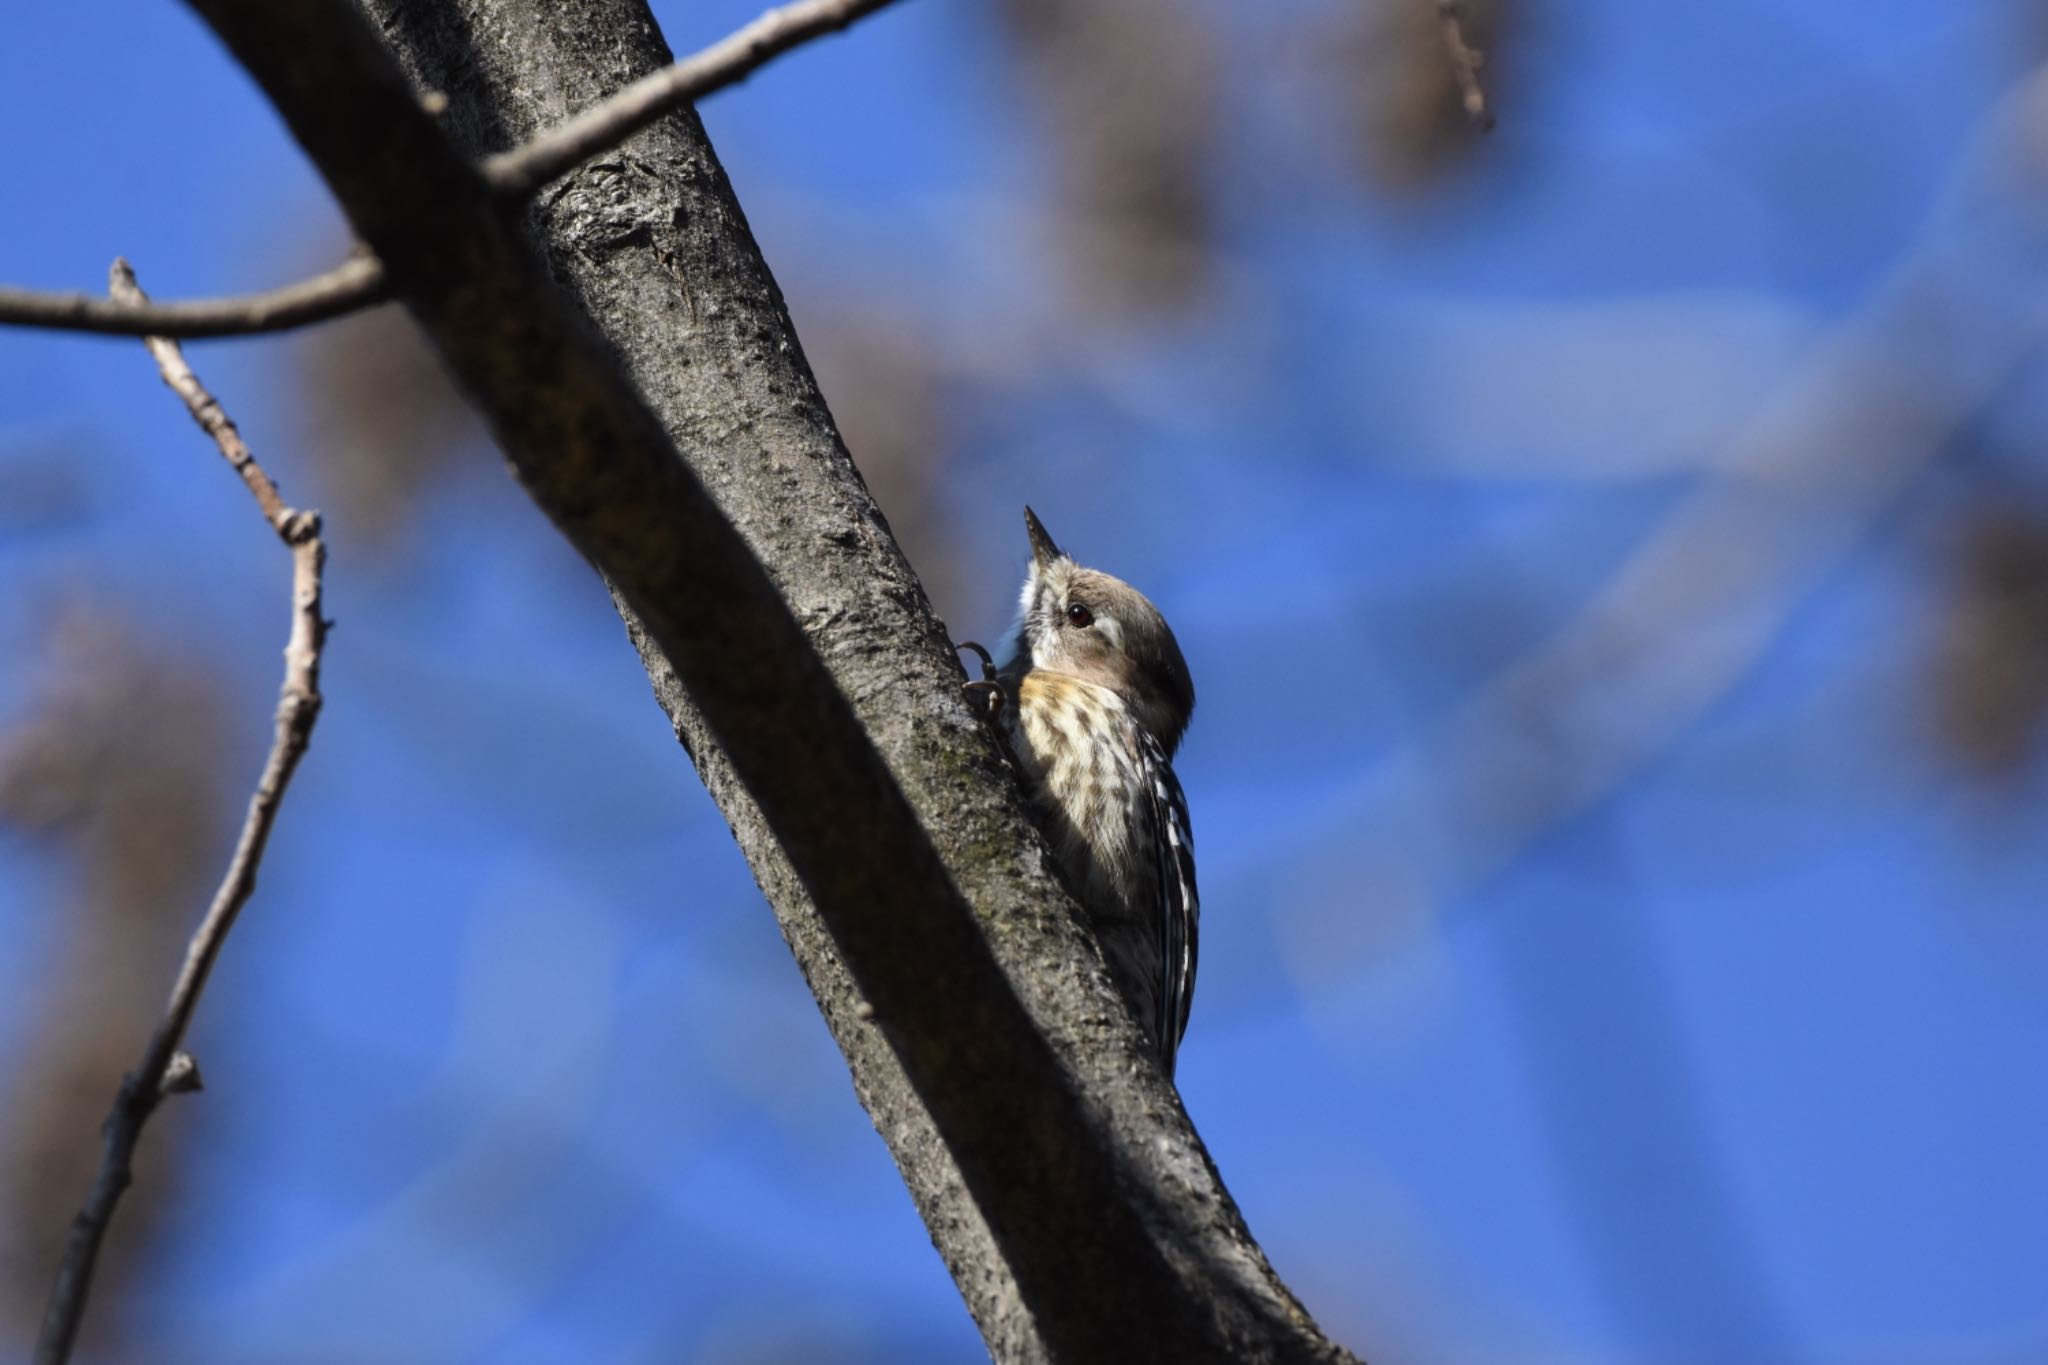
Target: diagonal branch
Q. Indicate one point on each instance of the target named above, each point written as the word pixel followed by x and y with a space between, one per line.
pixel 360 283
pixel 165 1069
pixel 1052 1161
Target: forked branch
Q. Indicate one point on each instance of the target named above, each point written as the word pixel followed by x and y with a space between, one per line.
pixel 360 282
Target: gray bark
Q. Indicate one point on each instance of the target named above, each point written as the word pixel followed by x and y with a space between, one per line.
pixel 682 450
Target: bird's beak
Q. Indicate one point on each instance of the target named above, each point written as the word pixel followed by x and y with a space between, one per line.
pixel 1043 551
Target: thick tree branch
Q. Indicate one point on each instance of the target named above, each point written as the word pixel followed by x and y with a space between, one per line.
pixel 1060 1179
pixel 359 282
pixel 164 1069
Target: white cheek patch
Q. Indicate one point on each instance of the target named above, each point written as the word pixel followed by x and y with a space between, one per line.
pixel 1111 629
pixel 1014 638
pixel 1029 629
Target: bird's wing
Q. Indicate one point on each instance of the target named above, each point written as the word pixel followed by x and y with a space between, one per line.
pixel 1180 906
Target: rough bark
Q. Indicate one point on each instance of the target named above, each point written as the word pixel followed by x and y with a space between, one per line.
pixel 1052 1163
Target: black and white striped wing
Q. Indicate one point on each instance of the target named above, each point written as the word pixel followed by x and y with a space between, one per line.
pixel 1180 906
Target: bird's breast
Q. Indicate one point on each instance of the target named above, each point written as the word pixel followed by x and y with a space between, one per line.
pixel 1079 747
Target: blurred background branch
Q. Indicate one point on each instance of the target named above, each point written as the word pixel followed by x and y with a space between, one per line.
pixel 1465 62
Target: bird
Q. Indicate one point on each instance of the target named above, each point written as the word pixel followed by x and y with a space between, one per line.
pixel 1093 697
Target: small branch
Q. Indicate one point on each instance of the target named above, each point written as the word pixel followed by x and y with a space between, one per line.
pixel 1465 63
pixel 205 408
pixel 165 1069
pixel 606 124
pixel 355 284
pixel 360 282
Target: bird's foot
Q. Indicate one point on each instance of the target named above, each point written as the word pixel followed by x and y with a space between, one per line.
pixel 986 692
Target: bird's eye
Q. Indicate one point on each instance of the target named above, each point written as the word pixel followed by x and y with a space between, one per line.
pixel 1079 615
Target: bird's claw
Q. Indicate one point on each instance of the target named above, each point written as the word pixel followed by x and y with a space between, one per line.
pixel 988 689
pixel 988 663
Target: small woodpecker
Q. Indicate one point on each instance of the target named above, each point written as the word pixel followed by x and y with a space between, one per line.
pixel 1093 698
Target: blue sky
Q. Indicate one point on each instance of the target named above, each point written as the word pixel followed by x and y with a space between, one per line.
pixel 1686 1005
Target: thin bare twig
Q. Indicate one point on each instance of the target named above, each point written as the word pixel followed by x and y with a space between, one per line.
pixel 355 284
pixel 726 62
pixel 1465 63
pixel 360 282
pixel 165 1069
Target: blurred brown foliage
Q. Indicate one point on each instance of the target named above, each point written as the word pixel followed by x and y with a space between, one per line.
pixel 1133 98
pixel 118 766
pixel 386 421
pixel 888 387
pixel 1991 654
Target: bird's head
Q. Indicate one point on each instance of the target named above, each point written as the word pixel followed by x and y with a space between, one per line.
pixel 1089 625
